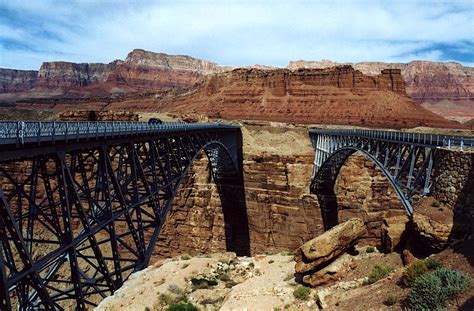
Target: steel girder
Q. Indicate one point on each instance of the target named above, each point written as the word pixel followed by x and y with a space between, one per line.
pixel 76 222
pixel 406 163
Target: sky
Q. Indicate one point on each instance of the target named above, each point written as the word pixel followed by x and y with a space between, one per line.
pixel 236 33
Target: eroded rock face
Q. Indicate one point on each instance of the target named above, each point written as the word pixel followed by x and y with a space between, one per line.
pixel 328 245
pixel 393 228
pixel 65 74
pixel 424 79
pixel 435 234
pixel 12 81
pixel 444 88
pixel 339 95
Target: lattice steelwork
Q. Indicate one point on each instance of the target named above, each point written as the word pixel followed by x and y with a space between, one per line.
pixel 406 159
pixel 82 204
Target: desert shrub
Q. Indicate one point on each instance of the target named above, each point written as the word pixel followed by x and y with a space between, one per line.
pixel 370 249
pixel 185 257
pixel 414 271
pixel 379 272
pixel 432 264
pixel 182 307
pixel 271 261
pixel 201 283
pixel 147 309
pixel 165 299
pixel 435 203
pixel 390 300
pixel 185 266
pixel 302 292
pixel 433 290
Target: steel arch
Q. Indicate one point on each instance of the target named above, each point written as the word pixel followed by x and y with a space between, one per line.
pixel 406 159
pixel 83 214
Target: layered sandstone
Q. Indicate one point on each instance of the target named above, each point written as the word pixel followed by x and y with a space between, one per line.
pixel 424 79
pixel 12 80
pixel 339 95
pixel 444 88
pixel 66 74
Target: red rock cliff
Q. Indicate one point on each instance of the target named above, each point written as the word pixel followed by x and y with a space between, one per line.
pixel 12 80
pixel 339 95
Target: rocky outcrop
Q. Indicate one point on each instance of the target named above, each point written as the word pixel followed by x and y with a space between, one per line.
pixel 339 95
pixel 444 88
pixel 12 80
pixel 65 74
pixel 142 58
pixel 424 79
pixel 435 234
pixel 393 228
pixel 327 246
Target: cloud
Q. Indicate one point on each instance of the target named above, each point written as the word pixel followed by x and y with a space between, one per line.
pixel 236 32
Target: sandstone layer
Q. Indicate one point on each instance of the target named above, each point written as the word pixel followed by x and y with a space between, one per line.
pixel 445 88
pixel 12 81
pixel 339 95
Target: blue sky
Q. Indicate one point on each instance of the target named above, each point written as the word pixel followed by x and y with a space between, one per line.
pixel 232 32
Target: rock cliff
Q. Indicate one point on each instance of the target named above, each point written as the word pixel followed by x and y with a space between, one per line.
pixel 444 88
pixel 64 74
pixel 338 95
pixel 12 80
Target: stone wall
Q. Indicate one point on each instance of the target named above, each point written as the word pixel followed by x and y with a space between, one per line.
pixel 453 186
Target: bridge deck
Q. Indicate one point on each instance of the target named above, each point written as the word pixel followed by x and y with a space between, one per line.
pixel 19 132
pixel 432 140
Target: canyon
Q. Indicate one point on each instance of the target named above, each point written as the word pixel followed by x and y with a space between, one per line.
pixel 444 88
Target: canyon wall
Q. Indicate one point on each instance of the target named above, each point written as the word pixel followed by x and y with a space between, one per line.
pixel 339 95
pixel 12 81
pixel 282 214
pixel 424 79
pixel 444 88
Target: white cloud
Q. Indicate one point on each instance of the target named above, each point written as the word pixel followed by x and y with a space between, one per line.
pixel 240 32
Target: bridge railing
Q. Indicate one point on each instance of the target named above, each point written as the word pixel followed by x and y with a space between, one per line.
pixel 405 137
pixel 20 132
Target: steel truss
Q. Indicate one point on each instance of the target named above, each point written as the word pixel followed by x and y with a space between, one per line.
pixel 406 159
pixel 76 221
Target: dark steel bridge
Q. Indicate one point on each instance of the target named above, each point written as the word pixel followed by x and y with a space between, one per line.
pixel 82 203
pixel 406 159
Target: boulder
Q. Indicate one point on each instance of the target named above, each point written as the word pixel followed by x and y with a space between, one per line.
pixel 393 228
pixel 432 233
pixel 333 272
pixel 328 245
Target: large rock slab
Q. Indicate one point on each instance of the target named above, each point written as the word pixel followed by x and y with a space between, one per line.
pixel 432 233
pixel 393 228
pixel 328 245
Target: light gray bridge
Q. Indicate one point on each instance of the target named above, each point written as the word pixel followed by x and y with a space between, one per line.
pixel 406 159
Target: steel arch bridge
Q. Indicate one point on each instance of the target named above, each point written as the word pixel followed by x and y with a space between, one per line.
pixel 82 203
pixel 406 159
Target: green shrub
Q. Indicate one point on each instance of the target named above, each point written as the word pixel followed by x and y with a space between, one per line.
pixel 414 271
pixel 433 264
pixel 182 307
pixel 390 300
pixel 433 290
pixel 435 203
pixel 370 249
pixel 302 292
pixel 378 272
